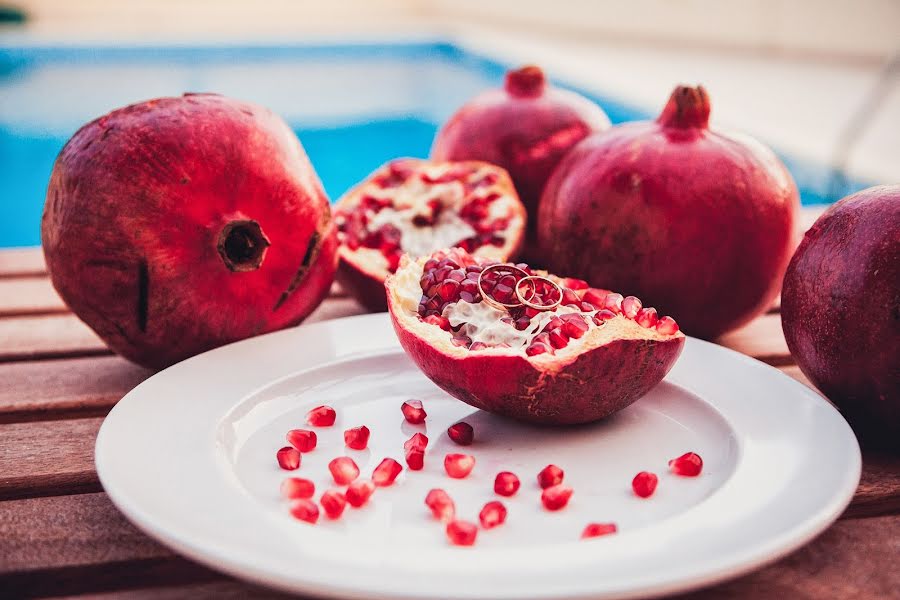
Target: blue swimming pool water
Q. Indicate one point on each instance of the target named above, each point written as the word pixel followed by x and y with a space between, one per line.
pixel 353 106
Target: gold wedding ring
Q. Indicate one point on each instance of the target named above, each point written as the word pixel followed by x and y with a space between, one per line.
pixel 527 302
pixel 487 298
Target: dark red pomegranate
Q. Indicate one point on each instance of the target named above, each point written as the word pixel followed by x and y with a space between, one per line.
pixel 415 207
pixel 579 356
pixel 696 220
pixel 526 127
pixel 180 224
pixel 840 310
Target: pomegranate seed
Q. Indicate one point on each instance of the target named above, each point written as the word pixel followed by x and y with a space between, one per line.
pixel 440 322
pixel 506 483
pixel 386 472
pixel 644 484
pixel 667 326
pixel 417 442
pixel 296 487
pixel 413 411
pixel 558 340
pixel 343 470
pixel 441 505
pixel 595 296
pixel 461 433
pixel 321 416
pixel 646 317
pixel 303 440
pixel 575 284
pixel 359 492
pixel 493 514
pixel 357 437
pixel 305 510
pixel 459 466
pixel 613 302
pixel 630 306
pixel 536 348
pixel 556 497
pixel 288 458
pixel 461 533
pixel 603 315
pixel 549 476
pixel 597 529
pixel 333 501
pixel 687 465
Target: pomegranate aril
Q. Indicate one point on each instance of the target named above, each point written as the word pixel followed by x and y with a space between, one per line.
pixel 646 317
pixel 386 472
pixel 687 465
pixel 506 483
pixel 358 493
pixel 321 416
pixel 575 284
pixel 357 438
pixel 303 440
pixel 461 433
pixel 438 321
pixel 461 533
pixel 493 514
pixel 613 302
pixel 597 529
pixel 343 470
pixel 459 466
pixel 537 348
pixel 630 306
pixel 305 510
pixel 412 409
pixel 297 487
pixel 667 326
pixel 570 297
pixel 644 484
pixel 288 458
pixel 602 316
pixel 441 505
pixel 334 502
pixel 415 459
pixel 556 497
pixel 594 296
pixel 558 340
pixel 549 476
pixel 419 441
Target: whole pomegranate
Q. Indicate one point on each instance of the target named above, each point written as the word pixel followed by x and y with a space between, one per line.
pixel 840 309
pixel 527 344
pixel 526 128
pixel 696 220
pixel 415 207
pixel 179 224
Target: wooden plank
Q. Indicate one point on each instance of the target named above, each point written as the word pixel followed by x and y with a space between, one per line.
pixel 63 389
pixel 49 336
pixel 21 296
pixel 47 458
pixel 19 262
pixel 763 339
pixel 221 589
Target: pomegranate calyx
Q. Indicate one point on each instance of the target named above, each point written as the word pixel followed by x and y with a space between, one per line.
pixel 527 82
pixel 688 107
pixel 242 245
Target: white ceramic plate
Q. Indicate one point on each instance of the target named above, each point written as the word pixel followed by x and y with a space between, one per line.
pixel 189 456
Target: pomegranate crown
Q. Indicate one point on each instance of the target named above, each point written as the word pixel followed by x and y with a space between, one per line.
pixel 688 106
pixel 527 82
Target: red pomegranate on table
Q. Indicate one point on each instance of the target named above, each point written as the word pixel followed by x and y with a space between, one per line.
pixel 527 344
pixel 840 310
pixel 694 219
pixel 412 206
pixel 179 224
pixel 526 127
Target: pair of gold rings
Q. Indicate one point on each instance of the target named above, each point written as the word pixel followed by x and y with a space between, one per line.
pixel 522 299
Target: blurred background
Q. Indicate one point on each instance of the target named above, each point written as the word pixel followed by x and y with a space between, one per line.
pixel 362 81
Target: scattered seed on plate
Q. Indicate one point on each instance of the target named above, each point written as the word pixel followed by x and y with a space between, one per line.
pixel 549 476
pixel 359 492
pixel 593 530
pixel 288 458
pixel 386 472
pixel 334 502
pixel 297 487
pixel 441 505
pixel 321 416
pixel 357 438
pixel 556 497
pixel 459 466
pixel 644 484
pixel 687 465
pixel 493 514
pixel 506 483
pixel 303 440
pixel 305 510
pixel 343 470
pixel 413 412
pixel 461 533
pixel 461 433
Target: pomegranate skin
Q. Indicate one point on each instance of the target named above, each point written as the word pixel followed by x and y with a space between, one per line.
pixel 840 310
pixel 695 220
pixel 526 127
pixel 177 225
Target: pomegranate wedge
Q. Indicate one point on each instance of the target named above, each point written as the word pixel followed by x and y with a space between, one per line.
pixel 416 207
pixel 524 343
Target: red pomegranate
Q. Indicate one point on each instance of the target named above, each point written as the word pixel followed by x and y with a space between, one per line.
pixel 532 346
pixel 840 310
pixel 179 224
pixel 526 127
pixel 415 207
pixel 696 220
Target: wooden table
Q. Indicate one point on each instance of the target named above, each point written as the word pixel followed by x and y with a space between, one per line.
pixel 61 536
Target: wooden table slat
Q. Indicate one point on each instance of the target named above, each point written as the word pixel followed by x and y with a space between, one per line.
pixel 22 262
pixel 762 339
pixel 21 296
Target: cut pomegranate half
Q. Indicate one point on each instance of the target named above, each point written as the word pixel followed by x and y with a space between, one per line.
pixel 541 348
pixel 416 207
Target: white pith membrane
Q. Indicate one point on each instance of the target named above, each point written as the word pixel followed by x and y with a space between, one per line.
pixel 482 323
pixel 409 202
